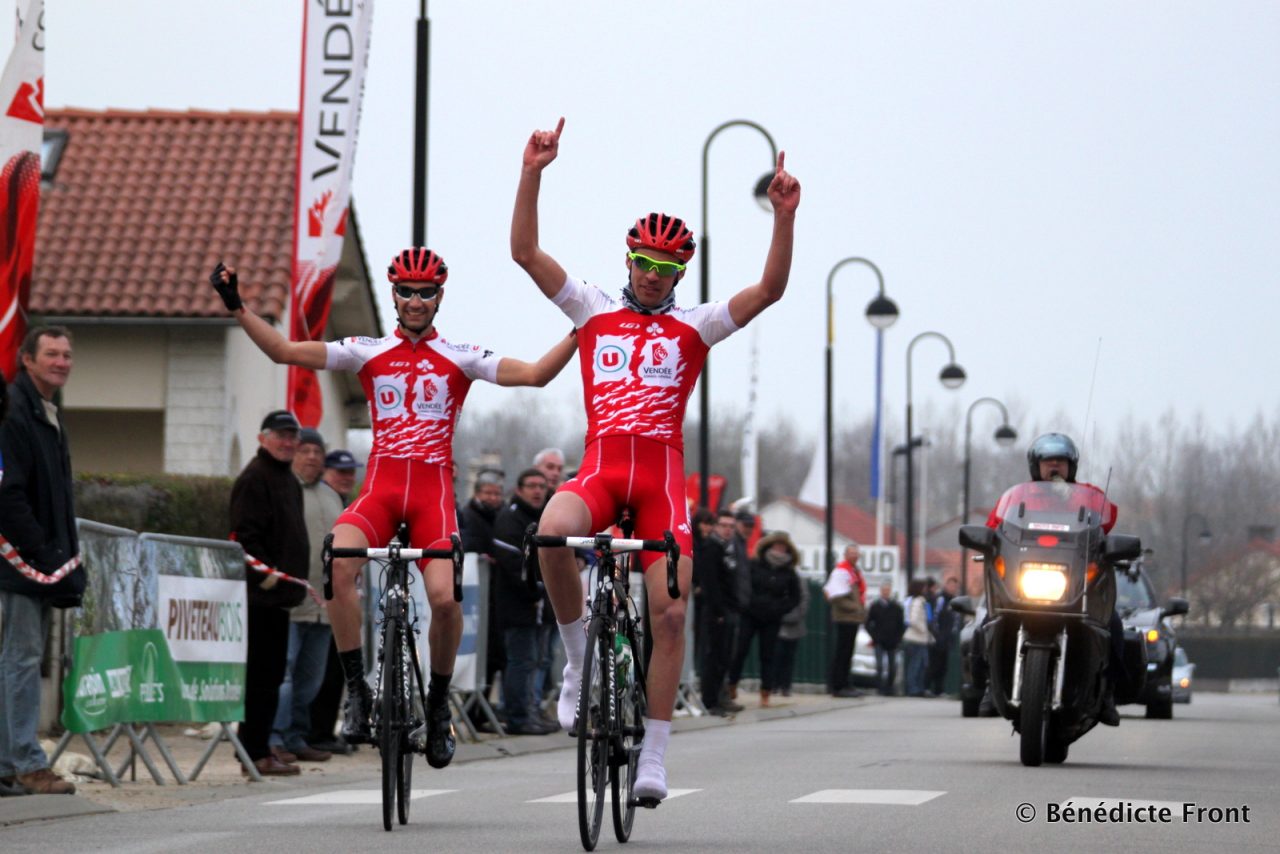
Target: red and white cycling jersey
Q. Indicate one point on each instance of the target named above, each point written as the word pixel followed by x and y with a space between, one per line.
pixel 638 370
pixel 415 391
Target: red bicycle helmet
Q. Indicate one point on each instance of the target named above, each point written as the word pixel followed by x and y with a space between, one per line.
pixel 664 233
pixel 418 264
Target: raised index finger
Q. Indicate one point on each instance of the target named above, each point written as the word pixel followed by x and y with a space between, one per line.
pixel 782 155
pixel 559 127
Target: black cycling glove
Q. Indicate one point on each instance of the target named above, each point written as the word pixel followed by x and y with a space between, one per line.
pixel 229 291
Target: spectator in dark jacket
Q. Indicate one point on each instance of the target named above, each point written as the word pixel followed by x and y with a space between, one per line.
pixel 38 524
pixel 885 625
pixel 775 590
pixel 716 574
pixel 477 536
pixel 267 520
pixel 523 613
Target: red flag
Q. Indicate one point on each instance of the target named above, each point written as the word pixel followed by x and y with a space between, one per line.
pixel 335 46
pixel 21 133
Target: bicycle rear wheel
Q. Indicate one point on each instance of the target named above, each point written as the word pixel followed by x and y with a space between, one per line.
pixel 389 704
pixel 632 709
pixel 593 735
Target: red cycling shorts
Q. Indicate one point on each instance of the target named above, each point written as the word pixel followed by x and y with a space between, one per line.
pixel 398 490
pixel 644 474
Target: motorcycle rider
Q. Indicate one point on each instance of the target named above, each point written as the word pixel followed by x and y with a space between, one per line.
pixel 1053 456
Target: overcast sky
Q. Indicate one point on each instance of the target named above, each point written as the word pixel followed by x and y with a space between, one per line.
pixel 1031 179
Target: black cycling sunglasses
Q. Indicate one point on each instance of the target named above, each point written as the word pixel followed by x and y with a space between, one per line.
pixel 408 292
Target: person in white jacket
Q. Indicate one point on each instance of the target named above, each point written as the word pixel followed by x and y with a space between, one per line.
pixel 916 640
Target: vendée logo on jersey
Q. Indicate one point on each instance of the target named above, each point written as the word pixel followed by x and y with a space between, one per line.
pixel 660 362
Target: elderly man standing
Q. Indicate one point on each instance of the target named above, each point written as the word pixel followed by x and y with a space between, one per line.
pixel 41 565
pixel 267 520
pixel 550 461
pixel 309 634
pixel 340 468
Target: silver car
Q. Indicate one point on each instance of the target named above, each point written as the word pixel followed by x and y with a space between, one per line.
pixel 1184 674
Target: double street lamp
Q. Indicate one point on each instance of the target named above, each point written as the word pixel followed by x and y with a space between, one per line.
pixel 881 313
pixel 1206 536
pixel 1005 436
pixel 952 376
pixel 761 194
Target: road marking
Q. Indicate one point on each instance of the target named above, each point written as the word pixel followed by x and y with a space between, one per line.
pixel 898 797
pixel 572 797
pixel 355 796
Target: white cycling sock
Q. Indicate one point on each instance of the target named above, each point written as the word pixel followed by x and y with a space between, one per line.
pixel 651 776
pixel 575 649
pixel 654 748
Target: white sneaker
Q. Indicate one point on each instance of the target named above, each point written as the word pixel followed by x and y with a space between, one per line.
pixel 651 781
pixel 567 707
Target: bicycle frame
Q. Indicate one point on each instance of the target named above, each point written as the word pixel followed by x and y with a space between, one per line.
pixel 399 626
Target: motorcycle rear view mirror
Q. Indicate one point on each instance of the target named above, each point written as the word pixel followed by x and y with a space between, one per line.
pixel 964 605
pixel 977 537
pixel 1175 607
pixel 1121 547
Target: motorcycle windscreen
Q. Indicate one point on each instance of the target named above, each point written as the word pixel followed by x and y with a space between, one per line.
pixel 1055 507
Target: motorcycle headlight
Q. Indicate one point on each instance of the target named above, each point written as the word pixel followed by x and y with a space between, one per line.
pixel 1153 635
pixel 1046 582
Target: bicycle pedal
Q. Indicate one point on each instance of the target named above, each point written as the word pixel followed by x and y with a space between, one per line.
pixel 647 803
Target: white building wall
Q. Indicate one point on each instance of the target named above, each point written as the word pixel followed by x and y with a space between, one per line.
pixel 256 386
pixel 195 400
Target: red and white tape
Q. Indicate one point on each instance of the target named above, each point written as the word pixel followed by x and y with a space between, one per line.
pixel 258 566
pixel 10 553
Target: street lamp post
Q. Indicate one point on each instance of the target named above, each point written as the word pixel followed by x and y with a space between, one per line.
pixel 1206 536
pixel 952 376
pixel 1005 436
pixel 881 313
pixel 704 394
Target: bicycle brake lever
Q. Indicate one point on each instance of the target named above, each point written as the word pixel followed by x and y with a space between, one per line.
pixel 326 558
pixel 456 543
pixel 673 558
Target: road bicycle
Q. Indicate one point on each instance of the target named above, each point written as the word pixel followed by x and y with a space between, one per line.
pixel 400 702
pixel 609 725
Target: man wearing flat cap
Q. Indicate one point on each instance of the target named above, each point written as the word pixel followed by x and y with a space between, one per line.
pixel 267 521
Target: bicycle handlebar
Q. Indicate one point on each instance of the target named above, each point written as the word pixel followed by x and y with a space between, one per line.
pixel 394 552
pixel 667 545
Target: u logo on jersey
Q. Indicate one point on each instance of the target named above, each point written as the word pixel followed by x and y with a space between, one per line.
pixel 612 357
pixel 388 395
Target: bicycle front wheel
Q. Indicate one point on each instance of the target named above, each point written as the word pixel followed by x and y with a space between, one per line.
pixel 409 704
pixel 389 705
pixel 632 710
pixel 593 734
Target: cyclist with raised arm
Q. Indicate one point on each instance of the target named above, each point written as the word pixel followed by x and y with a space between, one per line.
pixel 415 382
pixel 640 357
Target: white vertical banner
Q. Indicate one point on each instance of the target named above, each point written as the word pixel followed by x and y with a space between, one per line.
pixel 21 137
pixel 335 52
pixel 750 430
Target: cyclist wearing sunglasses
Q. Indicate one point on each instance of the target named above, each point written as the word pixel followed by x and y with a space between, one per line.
pixel 640 357
pixel 415 382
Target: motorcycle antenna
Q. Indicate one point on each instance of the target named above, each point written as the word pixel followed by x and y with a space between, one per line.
pixel 1088 408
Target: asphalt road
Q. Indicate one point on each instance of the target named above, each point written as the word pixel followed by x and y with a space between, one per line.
pixel 880 776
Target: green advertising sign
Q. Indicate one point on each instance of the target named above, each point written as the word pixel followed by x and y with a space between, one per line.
pixel 122 677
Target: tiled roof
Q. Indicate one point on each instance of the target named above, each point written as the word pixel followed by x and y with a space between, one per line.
pixel 144 203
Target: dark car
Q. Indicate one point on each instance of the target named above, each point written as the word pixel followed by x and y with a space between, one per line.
pixel 970 693
pixel 1144 622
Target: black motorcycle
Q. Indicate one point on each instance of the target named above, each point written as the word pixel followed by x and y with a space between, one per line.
pixel 1050 595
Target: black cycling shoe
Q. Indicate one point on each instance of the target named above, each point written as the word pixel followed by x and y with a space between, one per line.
pixel 355 715
pixel 440 736
pixel 1108 714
